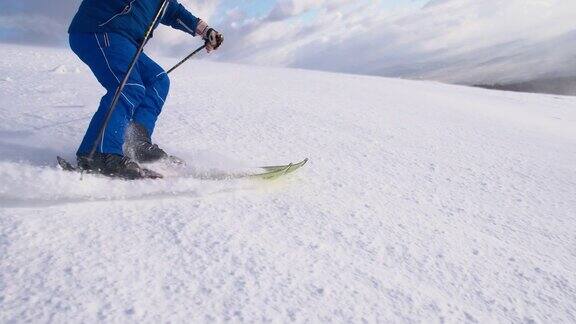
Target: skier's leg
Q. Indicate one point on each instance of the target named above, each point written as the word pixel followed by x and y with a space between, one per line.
pixel 139 137
pixel 157 86
pixel 108 56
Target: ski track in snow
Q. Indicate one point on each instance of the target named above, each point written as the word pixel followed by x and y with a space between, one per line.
pixel 422 202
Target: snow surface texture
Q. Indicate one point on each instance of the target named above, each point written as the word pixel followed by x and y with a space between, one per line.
pixel 422 202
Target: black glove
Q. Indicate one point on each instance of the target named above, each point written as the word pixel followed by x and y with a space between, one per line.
pixel 213 39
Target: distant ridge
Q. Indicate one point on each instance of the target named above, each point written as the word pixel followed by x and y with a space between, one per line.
pixel 560 86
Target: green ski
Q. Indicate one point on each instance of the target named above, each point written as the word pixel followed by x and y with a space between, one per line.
pixel 274 172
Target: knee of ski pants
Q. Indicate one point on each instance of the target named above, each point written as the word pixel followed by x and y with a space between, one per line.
pixel 162 85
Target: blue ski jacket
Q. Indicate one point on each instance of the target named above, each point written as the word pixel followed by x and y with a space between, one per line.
pixel 129 18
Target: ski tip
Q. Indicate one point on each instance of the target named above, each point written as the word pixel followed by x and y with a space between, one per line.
pixel 65 165
pixel 299 164
pixel 275 172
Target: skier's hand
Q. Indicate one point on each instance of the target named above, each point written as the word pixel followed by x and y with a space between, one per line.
pixel 213 40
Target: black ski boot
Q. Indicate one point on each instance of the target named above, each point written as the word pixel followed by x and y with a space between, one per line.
pixel 112 165
pixel 139 145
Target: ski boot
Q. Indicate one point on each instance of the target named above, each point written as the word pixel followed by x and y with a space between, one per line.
pixel 139 146
pixel 112 165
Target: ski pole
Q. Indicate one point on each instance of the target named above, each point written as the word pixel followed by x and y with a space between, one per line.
pixel 187 58
pixel 118 92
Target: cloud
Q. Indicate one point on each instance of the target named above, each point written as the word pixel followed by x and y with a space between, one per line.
pixel 289 8
pixel 17 29
pixel 463 41
pixel 35 21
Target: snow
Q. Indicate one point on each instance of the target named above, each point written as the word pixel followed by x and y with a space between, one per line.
pixel 422 202
pixel 63 69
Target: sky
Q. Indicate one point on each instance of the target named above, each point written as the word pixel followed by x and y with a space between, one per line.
pixel 461 41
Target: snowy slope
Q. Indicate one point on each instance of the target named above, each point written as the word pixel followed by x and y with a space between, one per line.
pixel 423 202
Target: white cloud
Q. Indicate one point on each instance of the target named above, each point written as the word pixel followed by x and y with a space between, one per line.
pixel 289 8
pixel 466 41
pixel 18 28
pixel 36 21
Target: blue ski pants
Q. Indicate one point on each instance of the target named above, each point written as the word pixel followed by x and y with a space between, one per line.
pixel 108 55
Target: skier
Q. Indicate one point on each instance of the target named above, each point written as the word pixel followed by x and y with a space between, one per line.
pixel 105 34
